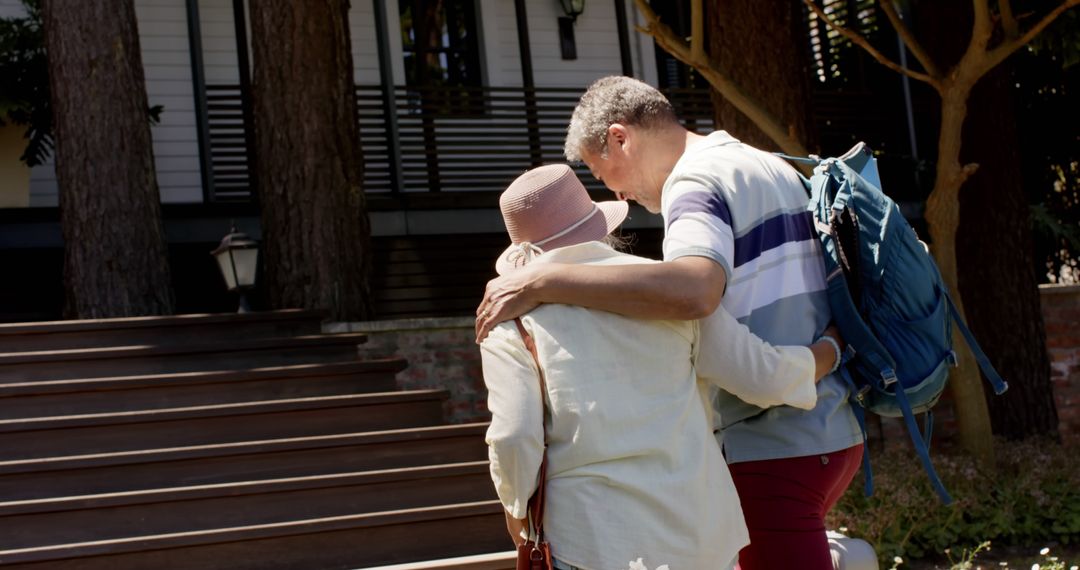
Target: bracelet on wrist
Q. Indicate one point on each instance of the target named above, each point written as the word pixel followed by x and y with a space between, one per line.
pixel 836 348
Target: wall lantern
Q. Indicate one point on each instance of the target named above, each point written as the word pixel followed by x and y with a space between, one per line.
pixel 237 257
pixel 572 9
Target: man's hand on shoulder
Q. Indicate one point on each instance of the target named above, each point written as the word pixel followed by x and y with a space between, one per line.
pixel 507 297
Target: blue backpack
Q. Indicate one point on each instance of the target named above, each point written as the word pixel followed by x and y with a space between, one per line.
pixel 887 299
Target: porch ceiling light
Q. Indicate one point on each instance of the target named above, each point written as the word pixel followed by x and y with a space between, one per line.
pixel 237 258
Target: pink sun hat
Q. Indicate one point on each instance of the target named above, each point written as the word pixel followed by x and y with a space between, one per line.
pixel 547 208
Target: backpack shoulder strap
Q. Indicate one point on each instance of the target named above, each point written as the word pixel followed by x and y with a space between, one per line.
pixel 999 385
pixel 811 160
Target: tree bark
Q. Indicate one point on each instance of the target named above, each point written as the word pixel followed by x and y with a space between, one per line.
pixel 693 53
pixel 316 232
pixel 115 256
pixel 761 45
pixel 992 258
pixel 945 32
pixel 997 267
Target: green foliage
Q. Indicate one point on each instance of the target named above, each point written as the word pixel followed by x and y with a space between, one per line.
pixel 1050 229
pixel 24 92
pixel 1033 497
pixel 1046 90
pixel 1061 38
pixel 966 561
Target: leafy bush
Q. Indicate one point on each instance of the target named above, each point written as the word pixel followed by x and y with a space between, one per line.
pixel 1032 498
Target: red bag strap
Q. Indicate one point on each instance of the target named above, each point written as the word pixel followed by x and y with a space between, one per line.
pixel 536 502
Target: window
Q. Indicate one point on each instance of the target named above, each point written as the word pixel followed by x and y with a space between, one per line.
pixel 442 52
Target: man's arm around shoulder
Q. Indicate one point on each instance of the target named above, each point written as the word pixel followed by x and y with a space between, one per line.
pixel 683 289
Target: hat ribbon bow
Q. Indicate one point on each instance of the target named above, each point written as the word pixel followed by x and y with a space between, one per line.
pixel 523 253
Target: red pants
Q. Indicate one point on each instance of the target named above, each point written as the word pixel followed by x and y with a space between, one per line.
pixel 785 501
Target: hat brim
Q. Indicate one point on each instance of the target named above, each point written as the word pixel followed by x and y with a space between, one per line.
pixel 610 215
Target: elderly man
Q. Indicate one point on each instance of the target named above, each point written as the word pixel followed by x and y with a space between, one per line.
pixel 736 233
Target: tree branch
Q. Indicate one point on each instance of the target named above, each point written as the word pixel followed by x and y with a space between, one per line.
pixel 666 38
pixel 660 32
pixel 861 42
pixel 1006 48
pixel 1008 20
pixel 967 171
pixel 909 40
pixel 981 29
pixel 697 31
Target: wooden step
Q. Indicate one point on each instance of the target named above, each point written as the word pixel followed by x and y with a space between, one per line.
pixel 86 474
pixel 191 509
pixel 220 423
pixel 148 359
pixel 179 329
pixel 156 391
pixel 359 540
pixel 494 561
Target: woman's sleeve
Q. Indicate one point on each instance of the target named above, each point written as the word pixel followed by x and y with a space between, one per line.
pixel 516 436
pixel 755 371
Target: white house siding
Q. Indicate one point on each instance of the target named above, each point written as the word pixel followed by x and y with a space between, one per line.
pixel 167 63
pixel 596 35
pixel 163 37
pixel 365 49
pixel 167 67
pixel 11 9
pixel 218 42
pixel 597 56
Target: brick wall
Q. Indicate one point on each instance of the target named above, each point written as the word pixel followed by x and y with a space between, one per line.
pixel 1061 312
pixel 442 354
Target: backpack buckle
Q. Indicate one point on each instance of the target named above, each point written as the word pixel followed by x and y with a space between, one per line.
pixel 888 377
pixel 860 396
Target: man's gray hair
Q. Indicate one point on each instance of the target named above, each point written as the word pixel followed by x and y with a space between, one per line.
pixel 610 100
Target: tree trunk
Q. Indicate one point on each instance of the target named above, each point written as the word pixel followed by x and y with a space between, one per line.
pixel 998 283
pixel 762 46
pixel 996 277
pixel 316 232
pixel 938 23
pixel 942 217
pixel 115 257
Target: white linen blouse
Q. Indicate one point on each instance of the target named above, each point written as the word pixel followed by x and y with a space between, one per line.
pixel 634 470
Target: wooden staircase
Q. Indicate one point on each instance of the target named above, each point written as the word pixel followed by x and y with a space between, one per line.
pixel 230 441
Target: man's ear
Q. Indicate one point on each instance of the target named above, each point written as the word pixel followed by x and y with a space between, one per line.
pixel 617 136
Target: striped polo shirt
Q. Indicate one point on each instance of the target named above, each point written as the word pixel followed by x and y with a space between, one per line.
pixel 746 210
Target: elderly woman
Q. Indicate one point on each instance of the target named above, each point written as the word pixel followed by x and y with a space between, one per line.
pixel 633 468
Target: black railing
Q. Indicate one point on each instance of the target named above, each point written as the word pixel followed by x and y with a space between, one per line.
pixel 459 139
